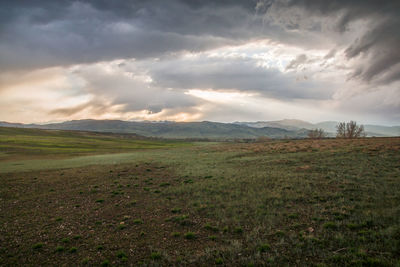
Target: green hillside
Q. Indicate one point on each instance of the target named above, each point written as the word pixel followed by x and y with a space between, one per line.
pixel 28 143
pixel 211 130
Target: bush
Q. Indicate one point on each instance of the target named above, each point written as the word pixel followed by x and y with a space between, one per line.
pixel 190 235
pixel 59 249
pixel 330 225
pixel 37 246
pixel 155 256
pixel 121 254
pixel 264 248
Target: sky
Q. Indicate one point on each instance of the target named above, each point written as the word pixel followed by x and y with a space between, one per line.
pixel 196 60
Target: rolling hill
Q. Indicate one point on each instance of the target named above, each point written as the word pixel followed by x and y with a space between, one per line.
pixel 205 129
pixel 212 130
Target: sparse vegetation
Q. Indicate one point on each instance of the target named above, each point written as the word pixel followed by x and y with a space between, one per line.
pixel 326 202
pixel 121 254
pixel 190 235
pixel 105 263
pixel 155 256
pixel 219 261
pixel 212 237
pixel 60 249
pixel 176 210
pixel 264 248
pixel 38 246
pixel 138 221
pixel 330 225
pixel 175 234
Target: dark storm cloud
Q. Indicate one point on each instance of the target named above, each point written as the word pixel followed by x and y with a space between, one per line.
pixel 36 34
pixel 48 33
pixel 378 49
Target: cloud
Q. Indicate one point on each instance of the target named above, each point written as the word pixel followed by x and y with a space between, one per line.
pixel 142 58
pixel 100 90
pixel 298 61
pixel 244 73
pixel 132 90
pixel 42 34
pixel 374 48
pixel 37 34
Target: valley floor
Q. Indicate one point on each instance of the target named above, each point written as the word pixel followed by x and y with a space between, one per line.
pixel 302 202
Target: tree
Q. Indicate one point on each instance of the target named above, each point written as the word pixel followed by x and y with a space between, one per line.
pixel 317 134
pixel 349 130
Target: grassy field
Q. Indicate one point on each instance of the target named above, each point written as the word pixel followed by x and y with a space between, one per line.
pixel 279 203
pixel 19 143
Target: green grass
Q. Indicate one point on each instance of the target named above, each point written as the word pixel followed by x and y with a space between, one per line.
pixel 281 203
pixel 34 143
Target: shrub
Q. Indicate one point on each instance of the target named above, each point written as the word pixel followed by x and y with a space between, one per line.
pixel 155 256
pixel 238 230
pixel 175 234
pixel 210 227
pixel 264 248
pixel 190 235
pixel 212 237
pixel 121 254
pixel 176 210
pixel 219 261
pixel 105 263
pixel 60 249
pixel 138 221
pixel 38 246
pixel 330 225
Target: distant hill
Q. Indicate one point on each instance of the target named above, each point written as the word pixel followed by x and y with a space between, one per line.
pixel 205 129
pixel 287 124
pixel 382 130
pixel 328 126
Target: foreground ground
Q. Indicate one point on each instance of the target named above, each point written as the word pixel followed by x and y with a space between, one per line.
pixel 301 202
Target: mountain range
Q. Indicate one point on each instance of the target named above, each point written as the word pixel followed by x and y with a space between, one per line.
pixel 205 129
